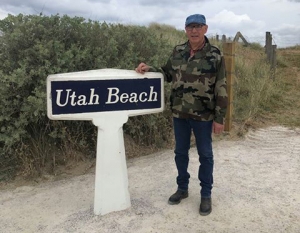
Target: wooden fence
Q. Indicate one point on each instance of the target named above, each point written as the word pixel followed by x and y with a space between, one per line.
pixel 229 56
pixel 270 51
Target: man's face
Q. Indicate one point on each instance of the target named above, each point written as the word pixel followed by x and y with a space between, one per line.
pixel 195 32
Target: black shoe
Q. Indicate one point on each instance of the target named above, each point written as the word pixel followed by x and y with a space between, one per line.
pixel 177 197
pixel 205 206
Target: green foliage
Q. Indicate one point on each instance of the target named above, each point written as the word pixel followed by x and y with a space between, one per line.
pixel 253 88
pixel 153 129
pixel 255 46
pixel 250 88
pixel 169 33
pixel 33 47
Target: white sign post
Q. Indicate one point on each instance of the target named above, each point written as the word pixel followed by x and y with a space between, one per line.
pixel 107 97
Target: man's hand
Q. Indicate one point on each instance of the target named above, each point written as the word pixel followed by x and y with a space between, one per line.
pixel 217 128
pixel 142 68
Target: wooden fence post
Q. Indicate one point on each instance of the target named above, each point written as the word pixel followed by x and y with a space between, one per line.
pixel 268 47
pixel 270 50
pixel 238 36
pixel 223 38
pixel 229 56
pixel 273 61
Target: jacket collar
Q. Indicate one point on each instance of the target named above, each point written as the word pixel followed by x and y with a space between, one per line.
pixel 185 48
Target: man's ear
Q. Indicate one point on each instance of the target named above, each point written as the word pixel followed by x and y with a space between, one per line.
pixel 206 27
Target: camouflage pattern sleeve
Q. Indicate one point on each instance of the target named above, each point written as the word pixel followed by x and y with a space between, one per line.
pixel 164 70
pixel 154 69
pixel 221 93
pixel 198 83
pixel 167 76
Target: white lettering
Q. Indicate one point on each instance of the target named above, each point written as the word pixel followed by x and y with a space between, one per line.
pixel 151 94
pixel 93 95
pixel 73 96
pixel 133 98
pixel 59 96
pixel 82 100
pixel 141 96
pixel 111 94
pixel 124 98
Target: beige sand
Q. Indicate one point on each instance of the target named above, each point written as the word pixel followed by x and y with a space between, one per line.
pixel 257 189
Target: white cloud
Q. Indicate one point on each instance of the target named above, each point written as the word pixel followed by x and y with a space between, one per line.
pixel 228 17
pixel 286 35
pixel 251 17
pixel 228 23
pixel 3 14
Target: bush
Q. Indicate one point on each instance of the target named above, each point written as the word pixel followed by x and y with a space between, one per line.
pixel 255 46
pixel 33 47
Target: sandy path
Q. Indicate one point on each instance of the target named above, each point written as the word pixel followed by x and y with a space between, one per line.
pixel 257 189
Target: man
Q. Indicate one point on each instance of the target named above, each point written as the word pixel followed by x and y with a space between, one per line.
pixel 198 102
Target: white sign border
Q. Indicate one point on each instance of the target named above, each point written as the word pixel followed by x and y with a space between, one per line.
pixel 101 74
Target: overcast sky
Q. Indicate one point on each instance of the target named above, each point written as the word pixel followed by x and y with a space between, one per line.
pixel 251 17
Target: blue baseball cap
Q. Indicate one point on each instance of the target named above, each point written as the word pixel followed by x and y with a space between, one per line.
pixel 197 18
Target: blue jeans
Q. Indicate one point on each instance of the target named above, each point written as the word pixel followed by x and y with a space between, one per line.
pixel 202 131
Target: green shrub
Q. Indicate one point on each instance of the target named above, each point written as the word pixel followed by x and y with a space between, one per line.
pixel 255 46
pixel 33 47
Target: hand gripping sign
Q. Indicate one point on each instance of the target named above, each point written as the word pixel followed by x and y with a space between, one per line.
pixel 107 97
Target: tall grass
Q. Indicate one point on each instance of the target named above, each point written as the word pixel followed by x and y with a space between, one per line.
pixel 253 86
pixel 260 100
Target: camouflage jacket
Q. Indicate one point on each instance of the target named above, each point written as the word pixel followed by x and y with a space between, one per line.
pixel 198 83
